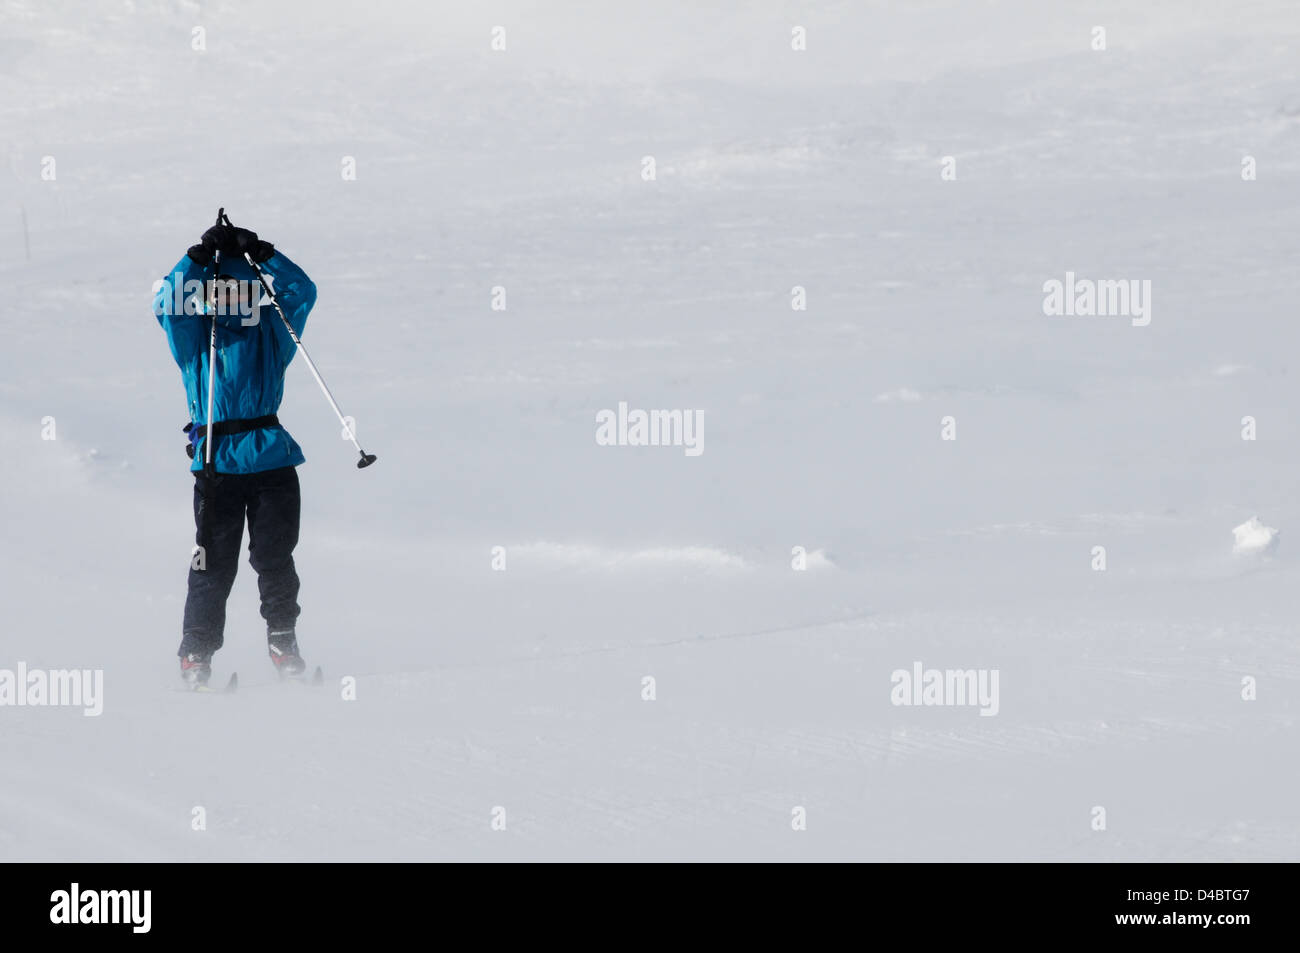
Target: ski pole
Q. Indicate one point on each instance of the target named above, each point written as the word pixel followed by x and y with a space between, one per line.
pixel 208 467
pixel 366 458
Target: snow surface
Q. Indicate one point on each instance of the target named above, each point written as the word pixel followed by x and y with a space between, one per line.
pixel 522 688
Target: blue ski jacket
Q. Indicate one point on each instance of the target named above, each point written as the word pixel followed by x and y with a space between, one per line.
pixel 253 353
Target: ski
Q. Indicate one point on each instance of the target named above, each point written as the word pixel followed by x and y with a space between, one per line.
pixel 316 680
pixel 231 687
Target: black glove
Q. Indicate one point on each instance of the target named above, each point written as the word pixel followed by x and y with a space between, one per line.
pixel 217 238
pixel 260 250
pixel 232 241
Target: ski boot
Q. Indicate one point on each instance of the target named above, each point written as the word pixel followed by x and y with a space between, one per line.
pixel 283 647
pixel 196 669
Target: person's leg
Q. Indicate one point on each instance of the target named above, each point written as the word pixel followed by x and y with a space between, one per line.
pixel 274 506
pixel 219 530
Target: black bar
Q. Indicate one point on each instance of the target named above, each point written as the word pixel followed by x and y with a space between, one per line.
pixel 978 905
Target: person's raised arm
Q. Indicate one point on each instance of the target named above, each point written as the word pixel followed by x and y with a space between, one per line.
pixel 177 304
pixel 296 294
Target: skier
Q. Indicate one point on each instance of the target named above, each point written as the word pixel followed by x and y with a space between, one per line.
pixel 250 473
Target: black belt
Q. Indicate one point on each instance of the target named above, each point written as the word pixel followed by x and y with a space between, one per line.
pixel 225 428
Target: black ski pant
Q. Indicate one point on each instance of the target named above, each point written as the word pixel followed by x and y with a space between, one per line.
pixel 271 502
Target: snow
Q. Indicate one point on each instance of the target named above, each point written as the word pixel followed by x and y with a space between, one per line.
pixel 525 687
pixel 1253 537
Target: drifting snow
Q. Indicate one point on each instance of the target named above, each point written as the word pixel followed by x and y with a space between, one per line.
pixel 1253 538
